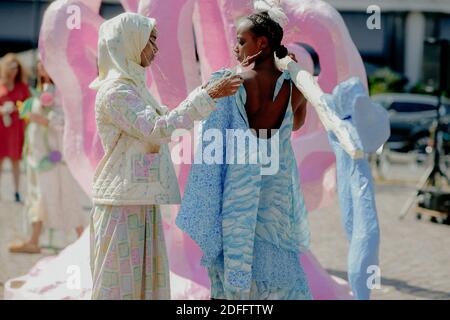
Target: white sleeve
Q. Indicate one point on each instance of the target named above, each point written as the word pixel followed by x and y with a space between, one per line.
pixel 308 86
pixel 127 110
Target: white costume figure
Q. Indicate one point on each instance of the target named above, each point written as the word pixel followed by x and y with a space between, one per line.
pixel 60 195
pixel 54 198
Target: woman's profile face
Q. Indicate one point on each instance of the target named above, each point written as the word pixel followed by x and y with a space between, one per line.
pixel 150 50
pixel 246 41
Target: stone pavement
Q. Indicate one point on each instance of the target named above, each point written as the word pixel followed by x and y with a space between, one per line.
pixel 414 255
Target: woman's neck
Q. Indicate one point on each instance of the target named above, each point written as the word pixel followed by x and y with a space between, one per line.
pixel 265 64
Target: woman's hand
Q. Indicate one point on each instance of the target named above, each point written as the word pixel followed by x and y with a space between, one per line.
pixel 250 59
pixel 292 56
pixel 37 118
pixel 282 64
pixel 224 87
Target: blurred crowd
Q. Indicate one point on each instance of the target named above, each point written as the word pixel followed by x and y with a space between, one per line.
pixel 32 132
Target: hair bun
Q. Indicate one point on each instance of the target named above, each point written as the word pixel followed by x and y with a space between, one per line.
pixel 281 52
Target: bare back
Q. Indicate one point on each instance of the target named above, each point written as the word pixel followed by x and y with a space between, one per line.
pixel 262 111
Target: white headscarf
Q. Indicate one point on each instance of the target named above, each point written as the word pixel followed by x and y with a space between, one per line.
pixel 121 41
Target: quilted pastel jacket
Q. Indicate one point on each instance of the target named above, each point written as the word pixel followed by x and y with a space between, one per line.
pixel 137 168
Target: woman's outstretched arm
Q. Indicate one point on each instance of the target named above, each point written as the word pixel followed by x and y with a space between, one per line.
pixel 127 110
pixel 311 90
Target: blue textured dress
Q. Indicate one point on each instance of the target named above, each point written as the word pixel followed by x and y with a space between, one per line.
pixel 250 226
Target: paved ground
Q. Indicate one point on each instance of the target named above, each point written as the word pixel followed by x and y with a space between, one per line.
pixel 13 228
pixel 414 255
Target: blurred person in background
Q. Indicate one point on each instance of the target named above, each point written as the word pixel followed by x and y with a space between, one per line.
pixel 13 89
pixel 53 197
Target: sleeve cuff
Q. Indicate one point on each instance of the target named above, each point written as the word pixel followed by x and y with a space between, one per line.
pixel 203 103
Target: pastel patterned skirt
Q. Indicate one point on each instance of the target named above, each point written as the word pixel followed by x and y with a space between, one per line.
pixel 128 253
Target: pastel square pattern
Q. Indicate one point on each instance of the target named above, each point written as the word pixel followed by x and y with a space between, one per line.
pixel 124 250
pixel 127 284
pixel 131 263
pixel 145 168
pixel 133 221
pixel 125 266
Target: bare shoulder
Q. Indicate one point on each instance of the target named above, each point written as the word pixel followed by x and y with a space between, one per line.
pixel 250 82
pixel 249 78
pixel 252 89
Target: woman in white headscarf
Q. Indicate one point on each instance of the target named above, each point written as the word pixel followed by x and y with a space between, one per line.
pixel 136 175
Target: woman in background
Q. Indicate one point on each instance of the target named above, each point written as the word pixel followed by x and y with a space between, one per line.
pixel 13 88
pixel 53 196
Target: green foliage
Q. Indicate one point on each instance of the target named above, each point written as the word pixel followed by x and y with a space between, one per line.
pixel 421 88
pixel 385 80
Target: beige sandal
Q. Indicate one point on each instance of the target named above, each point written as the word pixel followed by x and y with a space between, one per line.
pixel 24 248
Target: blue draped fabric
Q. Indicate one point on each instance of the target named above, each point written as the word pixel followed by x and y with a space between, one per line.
pixel 368 125
pixel 251 227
